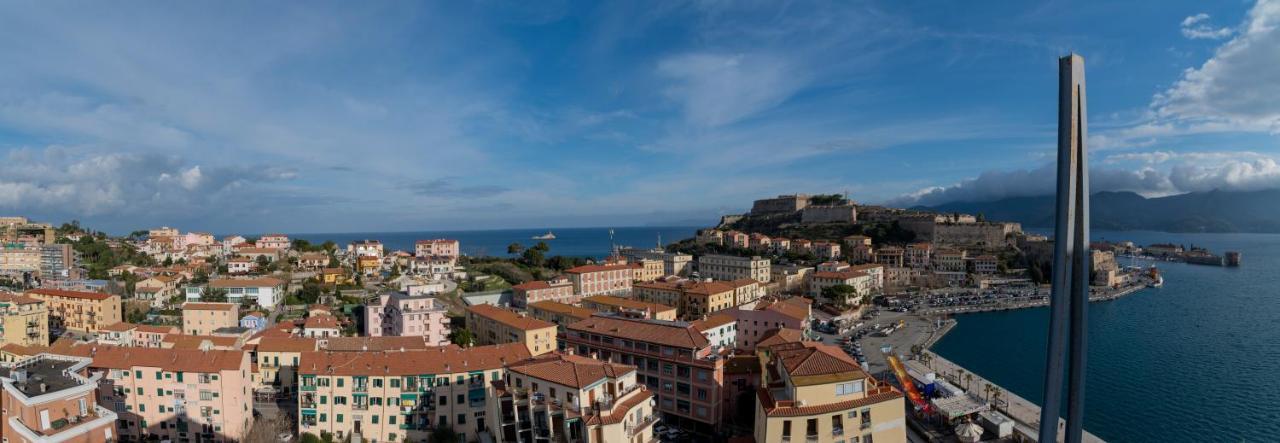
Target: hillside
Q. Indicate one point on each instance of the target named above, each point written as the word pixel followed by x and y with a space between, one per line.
pixel 1214 211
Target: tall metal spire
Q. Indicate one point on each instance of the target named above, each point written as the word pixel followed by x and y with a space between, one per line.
pixel 1069 301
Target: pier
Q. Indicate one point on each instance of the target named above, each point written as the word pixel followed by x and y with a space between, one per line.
pixel 1025 414
pixel 1107 295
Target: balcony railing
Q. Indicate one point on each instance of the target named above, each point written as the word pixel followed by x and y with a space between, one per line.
pixel 812 438
pixel 640 426
pixel 360 388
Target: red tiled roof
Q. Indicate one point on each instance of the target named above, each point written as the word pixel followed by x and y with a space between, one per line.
pixel 70 294
pixel 320 322
pixel 286 344
pixel 245 282
pixel 809 358
pixel 570 370
pixel 596 268
pixel 351 344
pixel 509 317
pixel 562 308
pixel 182 341
pixel 118 357
pixel 773 410
pixel 779 336
pixel 715 320
pixel 441 360
pixel 609 300
pixel 157 329
pixel 664 333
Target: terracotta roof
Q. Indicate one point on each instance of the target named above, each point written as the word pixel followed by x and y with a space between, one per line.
pixel 706 288
pixel 70 294
pixel 286 344
pixel 350 344
pixel 715 320
pixel 158 329
pixel 597 268
pixel 118 327
pixel 562 308
pixel 794 307
pixel 779 336
pixel 619 411
pixel 509 317
pixel 245 282
pixel 570 370
pixel 809 358
pixel 533 285
pixel 184 360
pixel 209 306
pixel 742 282
pixel 609 300
pixel 674 334
pixel 255 250
pixel 443 360
pixel 188 342
pixel 9 297
pixel 320 322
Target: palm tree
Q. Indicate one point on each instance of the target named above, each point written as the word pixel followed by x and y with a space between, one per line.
pixel 986 390
pixel 968 379
pixel 995 397
pixel 959 375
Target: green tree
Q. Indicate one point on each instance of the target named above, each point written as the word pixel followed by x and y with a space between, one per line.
pixel 542 246
pixel 444 434
pixel 263 261
pixel 461 337
pixel 839 294
pixel 168 261
pixel 533 257
pixel 213 295
pixel 514 248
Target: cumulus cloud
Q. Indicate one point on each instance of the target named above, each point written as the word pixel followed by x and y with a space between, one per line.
pixel 1197 27
pixel 1236 88
pixel 73 182
pixel 1190 173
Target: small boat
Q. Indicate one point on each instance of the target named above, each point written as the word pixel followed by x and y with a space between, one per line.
pixel 1157 280
pixel 547 236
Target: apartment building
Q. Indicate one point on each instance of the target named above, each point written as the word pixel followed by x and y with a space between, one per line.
pixel 274 241
pixel 891 256
pixel 917 255
pixel 240 265
pixel 176 395
pixel 673 359
pixel 18 257
pixel 77 310
pixel 859 280
pixel 51 398
pixel 557 289
pixel 721 329
pixel 564 397
pixel 129 334
pixel 23 320
pixel 630 307
pixel 265 291
pixel 278 359
pixel 699 299
pixel 204 318
pixel 747 290
pixel 816 393
pixel 440 246
pixel 646 269
pixel 826 250
pixel 491 325
pixel 673 263
pixel 398 314
pixel 313 260
pixel 559 313
pixel 756 322
pixel 790 278
pixel 394 396
pixel 610 279
pixel 728 267
pixel 361 248
pixel 987 264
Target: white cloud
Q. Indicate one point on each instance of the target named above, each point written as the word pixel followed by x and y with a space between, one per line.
pixel 717 89
pixel 1165 173
pixel 1236 88
pixel 1196 27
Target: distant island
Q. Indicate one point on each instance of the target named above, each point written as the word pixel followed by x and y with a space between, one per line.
pixel 1213 211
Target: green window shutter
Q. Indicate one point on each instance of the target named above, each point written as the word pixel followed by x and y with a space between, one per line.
pixel 323 418
pixel 142 408
pixel 324 399
pixel 340 385
pixel 339 417
pixel 179 377
pixel 375 419
pixel 391 419
pixel 137 374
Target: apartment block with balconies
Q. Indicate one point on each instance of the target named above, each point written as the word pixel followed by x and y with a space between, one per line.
pixel 573 399
pixel 23 320
pixel 78 310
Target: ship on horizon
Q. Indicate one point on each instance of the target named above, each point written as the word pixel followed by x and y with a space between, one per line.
pixel 548 236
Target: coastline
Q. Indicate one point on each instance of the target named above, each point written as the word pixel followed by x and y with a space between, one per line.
pixel 1026 414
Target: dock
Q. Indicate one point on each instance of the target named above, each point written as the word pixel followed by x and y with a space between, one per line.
pixel 1025 414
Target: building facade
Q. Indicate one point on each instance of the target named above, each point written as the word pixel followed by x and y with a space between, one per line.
pixel 491 325
pixel 79 311
pixel 728 267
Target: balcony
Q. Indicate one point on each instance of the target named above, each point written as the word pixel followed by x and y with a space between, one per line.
pixel 360 407
pixel 360 388
pixel 639 427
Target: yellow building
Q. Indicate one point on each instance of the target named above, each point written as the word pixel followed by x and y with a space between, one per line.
pixel 204 318
pixel 395 396
pixel 814 392
pixel 79 311
pixel 491 325
pixel 23 320
pixel 278 359
pixel 334 276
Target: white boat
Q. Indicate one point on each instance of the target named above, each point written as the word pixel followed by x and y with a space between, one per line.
pixel 547 236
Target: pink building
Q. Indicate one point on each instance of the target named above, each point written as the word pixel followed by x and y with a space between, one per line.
pixel 51 398
pixel 754 323
pixel 557 289
pixel 277 241
pixel 737 239
pixel 401 315
pixel 613 279
pixel 826 250
pixel 439 246
pixel 175 394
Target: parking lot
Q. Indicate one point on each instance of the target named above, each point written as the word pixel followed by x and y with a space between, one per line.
pixel 867 341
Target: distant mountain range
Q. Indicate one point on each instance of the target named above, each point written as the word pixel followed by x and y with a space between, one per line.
pixel 1214 211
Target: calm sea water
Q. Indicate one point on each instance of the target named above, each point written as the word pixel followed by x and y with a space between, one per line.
pixel 576 242
pixel 1195 360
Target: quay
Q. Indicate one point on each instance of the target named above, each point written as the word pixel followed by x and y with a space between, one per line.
pixel 1094 297
pixel 1025 414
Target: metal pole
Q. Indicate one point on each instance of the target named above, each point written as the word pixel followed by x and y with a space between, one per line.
pixel 1070 290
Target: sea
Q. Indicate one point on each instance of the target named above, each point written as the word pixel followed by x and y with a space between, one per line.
pixel 572 242
pixel 1196 360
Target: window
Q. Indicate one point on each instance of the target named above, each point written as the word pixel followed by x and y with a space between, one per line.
pixel 391 419
pixel 377 382
pixel 338 418
pixel 461 399
pixel 444 400
pixel 786 429
pixel 340 385
pixel 395 382
pixel 462 419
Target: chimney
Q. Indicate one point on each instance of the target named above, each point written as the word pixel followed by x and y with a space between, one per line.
pixel 43 388
pixel 568 350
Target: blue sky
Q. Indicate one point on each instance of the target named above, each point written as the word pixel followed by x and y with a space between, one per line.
pixel 324 117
